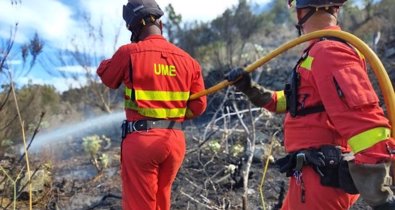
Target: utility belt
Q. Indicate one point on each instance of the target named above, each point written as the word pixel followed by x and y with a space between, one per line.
pixel 145 125
pixel 327 161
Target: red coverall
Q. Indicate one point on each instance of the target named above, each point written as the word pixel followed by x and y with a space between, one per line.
pixel 151 159
pixel 350 110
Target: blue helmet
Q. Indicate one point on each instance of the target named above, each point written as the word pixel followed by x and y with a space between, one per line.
pixel 316 3
pixel 136 10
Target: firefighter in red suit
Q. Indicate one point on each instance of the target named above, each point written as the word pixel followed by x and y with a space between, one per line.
pixel 332 113
pixel 158 78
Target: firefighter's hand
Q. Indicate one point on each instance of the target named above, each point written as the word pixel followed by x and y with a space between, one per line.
pixel 241 78
pixel 189 114
pixel 314 157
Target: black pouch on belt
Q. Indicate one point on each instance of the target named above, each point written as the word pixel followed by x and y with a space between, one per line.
pixel 345 180
pixel 329 173
pixel 335 172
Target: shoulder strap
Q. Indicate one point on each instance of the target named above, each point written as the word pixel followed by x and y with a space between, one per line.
pixel 339 40
pixel 291 91
pixel 311 110
pixel 133 97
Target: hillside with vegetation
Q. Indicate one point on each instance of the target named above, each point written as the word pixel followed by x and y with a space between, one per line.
pixel 230 149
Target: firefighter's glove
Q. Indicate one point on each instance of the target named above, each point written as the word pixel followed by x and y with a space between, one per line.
pixel 241 78
pixel 189 114
pixel 296 161
pixel 314 157
pixel 257 94
pixel 373 183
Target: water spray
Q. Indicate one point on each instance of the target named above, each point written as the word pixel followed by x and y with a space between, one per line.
pixel 79 129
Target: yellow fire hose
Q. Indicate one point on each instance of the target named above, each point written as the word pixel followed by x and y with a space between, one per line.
pixel 378 68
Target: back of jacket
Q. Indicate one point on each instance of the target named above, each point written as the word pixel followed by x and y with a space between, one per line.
pixel 159 78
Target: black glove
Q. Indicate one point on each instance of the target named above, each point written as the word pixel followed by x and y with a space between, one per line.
pixel 289 163
pixel 314 157
pixel 244 83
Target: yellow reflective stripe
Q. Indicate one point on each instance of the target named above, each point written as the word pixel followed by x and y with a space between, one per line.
pixel 307 63
pixel 156 112
pixel 162 113
pixel 128 92
pixel 151 95
pixel 157 96
pixel 281 105
pixel 368 138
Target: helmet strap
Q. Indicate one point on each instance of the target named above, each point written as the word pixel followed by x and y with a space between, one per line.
pixel 136 33
pixel 299 25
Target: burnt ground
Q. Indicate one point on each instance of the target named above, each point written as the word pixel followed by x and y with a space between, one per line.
pixel 202 183
pixel 210 178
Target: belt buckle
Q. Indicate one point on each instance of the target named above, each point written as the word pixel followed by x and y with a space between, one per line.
pixel 140 125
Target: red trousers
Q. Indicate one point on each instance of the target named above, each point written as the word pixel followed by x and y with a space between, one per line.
pixel 317 197
pixel 150 162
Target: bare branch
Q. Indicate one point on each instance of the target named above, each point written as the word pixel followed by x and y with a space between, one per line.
pixel 197 201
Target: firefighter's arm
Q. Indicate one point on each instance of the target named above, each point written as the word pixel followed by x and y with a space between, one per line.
pixel 350 101
pixel 197 106
pixel 352 107
pixel 373 146
pixel 273 101
pixel 112 71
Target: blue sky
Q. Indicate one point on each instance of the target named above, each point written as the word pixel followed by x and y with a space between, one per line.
pixel 60 21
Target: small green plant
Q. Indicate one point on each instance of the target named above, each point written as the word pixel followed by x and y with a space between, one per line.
pixel 214 146
pixel 93 145
pixel 104 160
pixel 32 126
pixel 236 150
pixel 6 143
